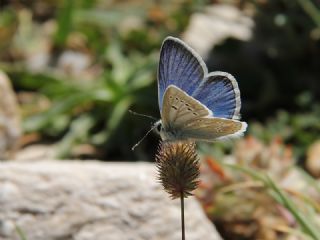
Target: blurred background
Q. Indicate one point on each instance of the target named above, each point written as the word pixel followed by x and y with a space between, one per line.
pixel 71 70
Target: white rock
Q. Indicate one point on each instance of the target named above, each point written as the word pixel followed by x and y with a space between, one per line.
pixel 216 24
pixel 10 129
pixel 93 201
pixel 313 159
pixel 73 62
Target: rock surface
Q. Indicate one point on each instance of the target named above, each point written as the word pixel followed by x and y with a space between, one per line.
pixel 92 200
pixel 10 129
pixel 313 159
pixel 216 24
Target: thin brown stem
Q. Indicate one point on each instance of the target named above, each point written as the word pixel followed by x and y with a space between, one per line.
pixel 182 216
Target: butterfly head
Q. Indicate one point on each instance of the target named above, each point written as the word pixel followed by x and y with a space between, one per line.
pixel 158 127
pixel 166 134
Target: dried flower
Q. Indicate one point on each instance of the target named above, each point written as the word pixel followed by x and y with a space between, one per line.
pixel 178 168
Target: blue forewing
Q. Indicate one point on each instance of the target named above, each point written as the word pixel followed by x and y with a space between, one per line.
pixel 182 67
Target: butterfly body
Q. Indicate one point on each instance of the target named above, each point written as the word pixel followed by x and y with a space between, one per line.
pixel 168 133
pixel 194 104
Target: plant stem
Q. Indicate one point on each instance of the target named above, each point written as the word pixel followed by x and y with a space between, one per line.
pixel 182 216
pixel 311 9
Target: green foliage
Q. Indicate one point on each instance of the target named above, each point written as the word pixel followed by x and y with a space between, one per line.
pixel 79 108
pixel 307 223
pixel 280 62
pixel 278 71
pixel 274 196
pixel 123 42
pixel 64 20
pixel 298 129
pixel 20 233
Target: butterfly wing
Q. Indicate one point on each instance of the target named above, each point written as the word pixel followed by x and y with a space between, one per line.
pixel 212 128
pixel 184 117
pixel 179 65
pixel 179 108
pixel 220 93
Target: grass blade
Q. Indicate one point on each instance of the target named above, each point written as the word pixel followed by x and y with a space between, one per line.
pixel 308 226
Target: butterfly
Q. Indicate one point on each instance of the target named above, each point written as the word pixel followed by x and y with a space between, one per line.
pixel 194 104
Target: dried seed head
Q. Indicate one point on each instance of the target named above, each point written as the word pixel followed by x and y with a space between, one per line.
pixel 178 168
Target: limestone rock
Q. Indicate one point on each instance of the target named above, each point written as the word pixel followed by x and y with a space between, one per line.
pixel 313 159
pixel 10 129
pixel 36 152
pixel 92 201
pixel 217 23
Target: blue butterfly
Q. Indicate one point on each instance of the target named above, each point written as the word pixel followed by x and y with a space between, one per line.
pixel 194 104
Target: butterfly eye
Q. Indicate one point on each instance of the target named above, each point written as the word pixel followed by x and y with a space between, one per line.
pixel 159 127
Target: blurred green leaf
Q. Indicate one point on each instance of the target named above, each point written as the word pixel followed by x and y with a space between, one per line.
pixel 311 9
pixel 106 18
pixel 78 133
pixel 63 106
pixel 64 17
pixel 308 225
pixel 119 110
pixel 20 233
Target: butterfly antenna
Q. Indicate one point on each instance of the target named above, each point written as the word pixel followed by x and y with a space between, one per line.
pixel 134 146
pixel 142 115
